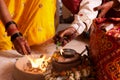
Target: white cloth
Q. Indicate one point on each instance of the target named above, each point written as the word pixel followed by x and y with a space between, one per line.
pixel 86 14
pixel 7 61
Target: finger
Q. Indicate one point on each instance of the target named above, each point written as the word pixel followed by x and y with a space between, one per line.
pixel 56 39
pixel 24 51
pixel 62 34
pixel 19 50
pixel 27 47
pixel 17 47
pixel 102 13
pixel 116 19
pixel 67 31
pixel 19 44
pixel 59 37
pixel 97 8
pixel 64 42
pixel 104 10
pixel 22 43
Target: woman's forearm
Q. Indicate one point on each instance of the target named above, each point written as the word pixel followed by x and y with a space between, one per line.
pixel 6 18
pixel 4 13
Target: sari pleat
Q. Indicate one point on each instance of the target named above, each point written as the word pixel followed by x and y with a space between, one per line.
pixel 35 20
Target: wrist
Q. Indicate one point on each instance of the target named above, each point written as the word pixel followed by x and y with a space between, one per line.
pixel 79 29
pixel 9 23
pixel 72 28
pixel 15 35
pixel 11 28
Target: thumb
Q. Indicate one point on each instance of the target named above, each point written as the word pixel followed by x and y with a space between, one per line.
pixel 102 14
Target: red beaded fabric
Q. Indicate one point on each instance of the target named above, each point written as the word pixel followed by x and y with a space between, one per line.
pixel 105 50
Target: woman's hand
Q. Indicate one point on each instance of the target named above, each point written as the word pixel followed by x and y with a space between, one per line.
pixel 19 42
pixel 104 8
pixel 21 45
pixel 65 36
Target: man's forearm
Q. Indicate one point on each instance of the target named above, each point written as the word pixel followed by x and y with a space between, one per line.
pixel 86 15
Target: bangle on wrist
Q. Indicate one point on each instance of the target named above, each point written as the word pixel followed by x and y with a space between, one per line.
pixel 14 36
pixel 9 23
pixel 11 31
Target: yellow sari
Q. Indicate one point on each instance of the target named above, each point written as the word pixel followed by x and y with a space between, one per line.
pixel 35 19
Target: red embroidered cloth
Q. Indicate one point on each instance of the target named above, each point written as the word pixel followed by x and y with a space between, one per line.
pixel 72 5
pixel 105 50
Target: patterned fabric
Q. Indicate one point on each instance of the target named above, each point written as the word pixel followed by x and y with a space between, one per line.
pixel 105 50
pixel 35 19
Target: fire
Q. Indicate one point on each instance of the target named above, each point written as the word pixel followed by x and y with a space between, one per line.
pixel 61 51
pixel 39 63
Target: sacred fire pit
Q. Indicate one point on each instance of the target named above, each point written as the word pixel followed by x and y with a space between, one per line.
pixel 31 67
pixel 39 67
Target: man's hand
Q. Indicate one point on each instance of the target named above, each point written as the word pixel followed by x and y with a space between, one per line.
pixel 65 36
pixel 104 8
pixel 21 45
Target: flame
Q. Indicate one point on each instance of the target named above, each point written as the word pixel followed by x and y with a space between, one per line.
pixel 40 63
pixel 61 51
